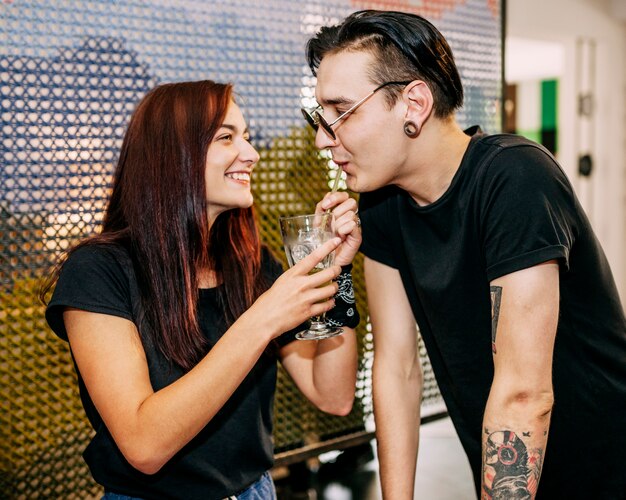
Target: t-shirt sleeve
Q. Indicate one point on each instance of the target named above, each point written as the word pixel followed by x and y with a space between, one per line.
pixel 92 279
pixel 526 211
pixel 272 270
pixel 374 212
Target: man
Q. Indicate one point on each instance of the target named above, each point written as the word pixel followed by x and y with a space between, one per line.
pixel 482 242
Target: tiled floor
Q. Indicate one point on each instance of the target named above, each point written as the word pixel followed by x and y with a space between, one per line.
pixel 443 472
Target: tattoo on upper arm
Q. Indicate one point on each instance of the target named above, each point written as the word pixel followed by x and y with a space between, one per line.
pixel 510 469
pixel 496 297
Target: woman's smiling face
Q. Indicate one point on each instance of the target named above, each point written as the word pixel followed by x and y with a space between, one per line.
pixel 229 164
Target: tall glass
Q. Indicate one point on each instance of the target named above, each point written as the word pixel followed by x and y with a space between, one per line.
pixel 301 235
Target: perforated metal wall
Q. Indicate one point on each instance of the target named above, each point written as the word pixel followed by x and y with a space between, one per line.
pixel 70 74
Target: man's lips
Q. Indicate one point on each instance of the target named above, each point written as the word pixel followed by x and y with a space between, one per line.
pixel 343 165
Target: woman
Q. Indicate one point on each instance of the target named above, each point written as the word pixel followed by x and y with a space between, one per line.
pixel 175 313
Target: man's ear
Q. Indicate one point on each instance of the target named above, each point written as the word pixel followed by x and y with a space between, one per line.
pixel 419 102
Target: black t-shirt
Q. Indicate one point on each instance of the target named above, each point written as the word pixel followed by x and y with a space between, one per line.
pixel 510 207
pixel 233 450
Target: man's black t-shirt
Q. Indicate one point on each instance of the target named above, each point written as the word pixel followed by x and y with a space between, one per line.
pixel 233 450
pixel 510 207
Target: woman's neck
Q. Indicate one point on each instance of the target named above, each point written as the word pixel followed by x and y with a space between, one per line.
pixel 207 278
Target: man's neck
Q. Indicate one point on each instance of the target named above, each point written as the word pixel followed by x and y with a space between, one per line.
pixel 435 161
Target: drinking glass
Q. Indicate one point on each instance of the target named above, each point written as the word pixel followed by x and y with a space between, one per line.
pixel 301 235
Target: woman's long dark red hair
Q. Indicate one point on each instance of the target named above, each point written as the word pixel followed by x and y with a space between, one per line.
pixel 158 210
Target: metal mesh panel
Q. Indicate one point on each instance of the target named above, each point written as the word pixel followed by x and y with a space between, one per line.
pixel 70 74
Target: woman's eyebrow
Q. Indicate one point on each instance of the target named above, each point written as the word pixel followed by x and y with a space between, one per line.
pixel 233 128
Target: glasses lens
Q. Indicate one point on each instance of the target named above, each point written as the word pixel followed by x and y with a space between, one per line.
pixel 309 119
pixel 324 124
pixel 316 120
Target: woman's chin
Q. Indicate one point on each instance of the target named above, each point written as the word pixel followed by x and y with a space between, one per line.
pixel 243 204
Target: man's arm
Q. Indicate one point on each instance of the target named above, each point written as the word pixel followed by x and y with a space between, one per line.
pixel 397 379
pixel 525 309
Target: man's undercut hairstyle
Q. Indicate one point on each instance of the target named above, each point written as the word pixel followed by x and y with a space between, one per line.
pixel 405 47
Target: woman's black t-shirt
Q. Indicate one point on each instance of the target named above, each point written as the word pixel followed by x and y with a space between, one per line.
pixel 233 450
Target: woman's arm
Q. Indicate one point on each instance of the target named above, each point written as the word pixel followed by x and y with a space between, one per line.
pixel 324 370
pixel 150 427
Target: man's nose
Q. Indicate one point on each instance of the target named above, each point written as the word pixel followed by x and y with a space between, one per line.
pixel 323 140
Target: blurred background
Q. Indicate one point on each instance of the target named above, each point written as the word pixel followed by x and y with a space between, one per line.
pixel 70 75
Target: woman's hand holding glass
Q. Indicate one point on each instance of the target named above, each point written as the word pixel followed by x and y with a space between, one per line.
pixel 296 295
pixel 301 235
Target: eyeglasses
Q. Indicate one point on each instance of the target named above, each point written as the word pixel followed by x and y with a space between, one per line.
pixel 316 120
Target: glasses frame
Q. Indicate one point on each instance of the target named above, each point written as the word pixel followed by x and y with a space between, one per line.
pixel 315 119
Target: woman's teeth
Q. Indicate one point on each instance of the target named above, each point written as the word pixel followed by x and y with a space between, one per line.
pixel 239 176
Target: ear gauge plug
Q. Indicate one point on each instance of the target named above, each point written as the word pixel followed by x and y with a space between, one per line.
pixel 411 129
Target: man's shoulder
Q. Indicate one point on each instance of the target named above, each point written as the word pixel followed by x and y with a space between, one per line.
pixel 511 154
pixel 502 143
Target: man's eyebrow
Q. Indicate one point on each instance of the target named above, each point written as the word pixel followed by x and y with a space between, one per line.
pixel 335 101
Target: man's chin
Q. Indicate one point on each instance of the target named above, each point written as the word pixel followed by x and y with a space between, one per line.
pixel 353 184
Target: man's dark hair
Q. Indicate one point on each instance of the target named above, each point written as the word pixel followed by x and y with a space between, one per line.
pixel 405 47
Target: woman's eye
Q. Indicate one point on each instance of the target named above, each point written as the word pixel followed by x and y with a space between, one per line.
pixel 225 137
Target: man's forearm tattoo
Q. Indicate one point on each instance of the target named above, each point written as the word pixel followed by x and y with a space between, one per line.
pixel 510 469
pixel 496 297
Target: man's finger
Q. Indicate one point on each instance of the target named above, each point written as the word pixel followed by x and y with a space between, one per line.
pixel 333 199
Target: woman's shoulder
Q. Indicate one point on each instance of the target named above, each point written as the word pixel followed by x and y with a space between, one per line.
pixel 96 278
pixel 98 263
pixel 98 254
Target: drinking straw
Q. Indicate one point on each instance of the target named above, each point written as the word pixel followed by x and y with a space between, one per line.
pixel 335 184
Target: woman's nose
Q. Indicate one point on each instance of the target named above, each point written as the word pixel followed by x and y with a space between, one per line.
pixel 248 153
